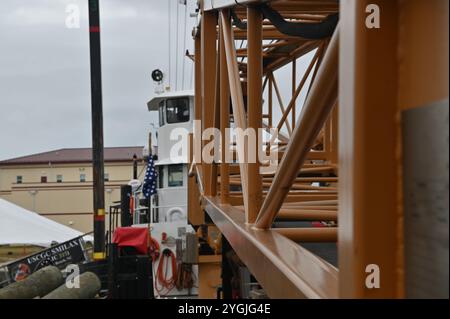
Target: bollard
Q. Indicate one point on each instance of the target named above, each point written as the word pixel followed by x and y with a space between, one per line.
pixel 89 287
pixel 37 284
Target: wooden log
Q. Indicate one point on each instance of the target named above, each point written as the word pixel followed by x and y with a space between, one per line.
pixel 38 284
pixel 89 287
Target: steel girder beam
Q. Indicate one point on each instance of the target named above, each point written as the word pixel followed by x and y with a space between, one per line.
pixel 237 96
pixel 208 78
pixel 315 112
pixel 254 105
pixel 284 268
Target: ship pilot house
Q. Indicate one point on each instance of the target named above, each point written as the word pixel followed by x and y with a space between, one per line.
pixel 175 111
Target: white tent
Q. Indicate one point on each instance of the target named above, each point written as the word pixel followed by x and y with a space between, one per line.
pixel 19 226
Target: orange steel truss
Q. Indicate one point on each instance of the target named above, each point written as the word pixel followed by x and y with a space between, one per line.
pixel 352 183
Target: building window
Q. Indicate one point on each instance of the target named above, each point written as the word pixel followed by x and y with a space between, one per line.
pixel 59 178
pixel 175 175
pixel 161 113
pixel 19 179
pixel 82 178
pixel 43 179
pixel 177 110
pixel 106 176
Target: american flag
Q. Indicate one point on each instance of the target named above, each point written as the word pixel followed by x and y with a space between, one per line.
pixel 149 187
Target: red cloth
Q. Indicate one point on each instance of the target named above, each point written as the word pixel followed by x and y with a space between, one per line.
pixel 136 237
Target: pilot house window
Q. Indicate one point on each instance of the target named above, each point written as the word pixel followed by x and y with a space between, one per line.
pixel 175 175
pixel 161 113
pixel 177 110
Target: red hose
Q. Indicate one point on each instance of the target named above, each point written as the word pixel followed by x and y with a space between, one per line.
pixel 163 268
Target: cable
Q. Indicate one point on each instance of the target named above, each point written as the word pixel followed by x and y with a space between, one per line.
pixel 184 41
pixel 163 268
pixel 312 31
pixel 238 23
pixel 176 50
pixel 169 13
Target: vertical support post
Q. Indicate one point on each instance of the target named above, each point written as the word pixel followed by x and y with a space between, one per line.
pixel 237 97
pixel 334 136
pixel 195 212
pixel 227 271
pixel 224 120
pixel 197 149
pixel 327 137
pixel 97 131
pixel 270 102
pixel 254 105
pixel 216 113
pixel 208 69
pixel 368 173
pixel 294 86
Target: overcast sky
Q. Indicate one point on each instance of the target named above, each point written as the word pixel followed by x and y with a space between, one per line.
pixel 44 71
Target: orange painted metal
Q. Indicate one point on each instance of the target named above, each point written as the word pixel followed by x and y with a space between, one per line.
pixel 282 267
pixel 368 200
pixel 317 107
pixel 208 78
pixel 254 106
pixel 305 214
pixel 237 96
pixel 304 235
pixel 224 118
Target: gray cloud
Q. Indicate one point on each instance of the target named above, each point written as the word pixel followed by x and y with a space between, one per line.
pixel 44 72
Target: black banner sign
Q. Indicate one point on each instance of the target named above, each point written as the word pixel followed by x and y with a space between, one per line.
pixel 61 255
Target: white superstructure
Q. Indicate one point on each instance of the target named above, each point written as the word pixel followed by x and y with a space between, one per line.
pixel 175 113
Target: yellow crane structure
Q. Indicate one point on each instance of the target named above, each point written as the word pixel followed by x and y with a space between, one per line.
pixel 345 153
